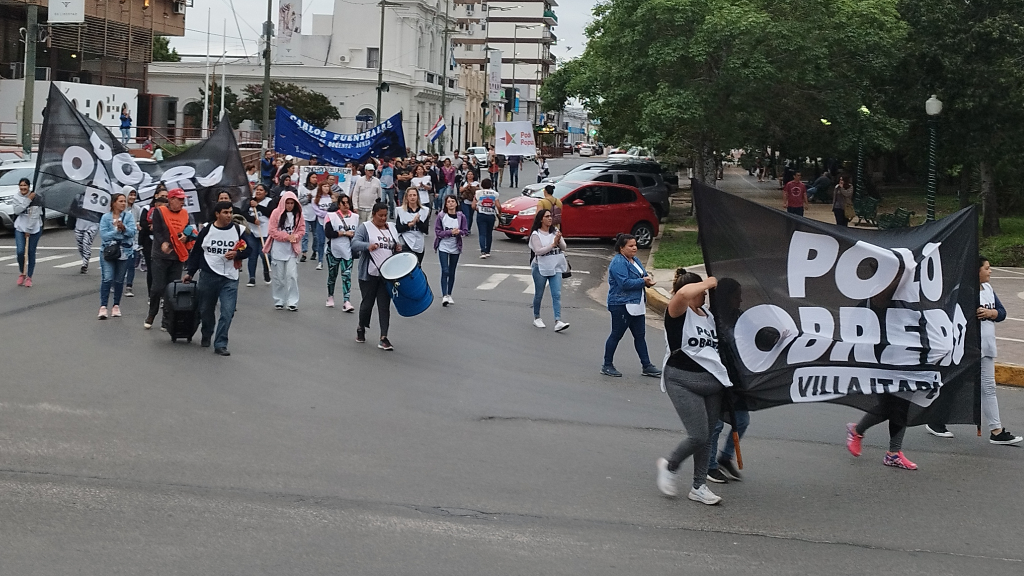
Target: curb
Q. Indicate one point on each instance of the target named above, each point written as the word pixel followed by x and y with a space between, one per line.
pixel 1010 375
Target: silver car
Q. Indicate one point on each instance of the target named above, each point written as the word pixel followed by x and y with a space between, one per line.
pixel 480 152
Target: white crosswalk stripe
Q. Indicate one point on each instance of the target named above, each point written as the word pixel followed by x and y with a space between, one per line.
pixel 77 262
pixel 7 258
pixel 46 259
pixel 492 282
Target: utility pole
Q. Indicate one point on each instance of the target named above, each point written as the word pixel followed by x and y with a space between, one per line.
pixel 268 33
pixel 31 35
pixel 223 70
pixel 445 63
pixel 380 60
pixel 206 87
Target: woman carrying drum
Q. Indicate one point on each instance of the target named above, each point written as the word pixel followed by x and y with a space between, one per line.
pixel 376 241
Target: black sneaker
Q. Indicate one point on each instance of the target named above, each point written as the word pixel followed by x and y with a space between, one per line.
pixel 251 283
pixel 303 258
pixel 266 278
pixel 715 475
pixel 1005 438
pixel 205 343
pixel 221 352
pixel 84 269
pixel 729 469
pixel 385 344
pixel 360 334
pixel 938 430
pixel 652 371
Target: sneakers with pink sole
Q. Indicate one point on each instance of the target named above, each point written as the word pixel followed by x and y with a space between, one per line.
pixel 115 312
pixel 28 282
pixel 898 460
pixel 347 306
pixel 853 439
pixel 21 279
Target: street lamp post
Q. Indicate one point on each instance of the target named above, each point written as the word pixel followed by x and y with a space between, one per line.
pixel 933 106
pixel 381 86
pixel 515 38
pixel 859 188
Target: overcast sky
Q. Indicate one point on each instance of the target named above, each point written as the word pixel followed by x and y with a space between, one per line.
pixel 573 16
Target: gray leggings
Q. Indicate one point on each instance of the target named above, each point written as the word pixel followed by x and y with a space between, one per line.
pixel 697 397
pixel 894 409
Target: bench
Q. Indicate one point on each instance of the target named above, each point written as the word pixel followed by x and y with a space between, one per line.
pixel 898 219
pixel 866 209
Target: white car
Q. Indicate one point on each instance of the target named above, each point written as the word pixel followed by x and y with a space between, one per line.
pixel 480 152
pixel 586 150
pixel 10 174
pixel 634 153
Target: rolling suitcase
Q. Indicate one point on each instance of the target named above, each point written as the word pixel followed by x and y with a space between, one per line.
pixel 181 308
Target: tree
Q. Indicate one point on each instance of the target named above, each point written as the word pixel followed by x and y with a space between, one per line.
pixel 560 86
pixel 195 109
pixel 311 106
pixel 162 51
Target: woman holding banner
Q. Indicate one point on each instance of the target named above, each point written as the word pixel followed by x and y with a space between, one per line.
pixel 28 228
pixel 695 380
pixel 258 217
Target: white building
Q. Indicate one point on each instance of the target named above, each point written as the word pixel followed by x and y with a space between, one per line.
pixel 100 103
pixel 340 60
pixel 522 31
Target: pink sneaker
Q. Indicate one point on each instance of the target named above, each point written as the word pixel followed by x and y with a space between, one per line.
pixel 103 313
pixel 115 311
pixel 853 439
pixel 21 279
pixel 898 460
pixel 330 301
pixel 347 306
pixel 28 282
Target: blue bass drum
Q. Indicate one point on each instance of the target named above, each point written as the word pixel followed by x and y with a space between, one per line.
pixel 407 284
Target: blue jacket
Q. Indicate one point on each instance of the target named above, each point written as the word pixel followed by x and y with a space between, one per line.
pixel 109 234
pixel 625 283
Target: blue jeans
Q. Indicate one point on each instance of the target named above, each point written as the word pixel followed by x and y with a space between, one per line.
pixel 448 264
pixel 467 211
pixel 799 211
pixel 310 233
pixel 112 273
pixel 319 240
pixel 555 283
pixel 729 453
pixel 255 257
pixel 486 224
pixel 131 269
pixel 622 321
pixel 513 175
pixel 20 245
pixel 389 197
pixel 213 287
pixel 126 134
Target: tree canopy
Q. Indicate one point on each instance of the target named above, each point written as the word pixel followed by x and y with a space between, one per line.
pixel 309 105
pixel 162 51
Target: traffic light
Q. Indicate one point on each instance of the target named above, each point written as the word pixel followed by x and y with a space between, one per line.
pixel 510 100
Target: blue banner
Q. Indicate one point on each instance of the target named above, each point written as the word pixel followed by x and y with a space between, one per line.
pixel 295 136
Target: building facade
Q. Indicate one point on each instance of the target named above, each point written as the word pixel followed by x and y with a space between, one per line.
pixel 523 32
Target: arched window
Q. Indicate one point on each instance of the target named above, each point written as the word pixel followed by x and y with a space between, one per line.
pixel 365 120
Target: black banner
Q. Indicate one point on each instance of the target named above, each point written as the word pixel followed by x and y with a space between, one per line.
pixel 814 312
pixel 81 163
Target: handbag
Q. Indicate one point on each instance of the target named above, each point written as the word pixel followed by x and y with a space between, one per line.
pixel 849 212
pixel 112 252
pixel 567 273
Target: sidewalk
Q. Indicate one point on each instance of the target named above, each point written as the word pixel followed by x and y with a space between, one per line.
pixel 1007 282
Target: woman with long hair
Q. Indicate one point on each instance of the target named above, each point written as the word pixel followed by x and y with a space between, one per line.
pixel 287 228
pixel 261 207
pixel 305 195
pixel 547 262
pixel 321 203
pixel 627 301
pixel 117 227
pixel 28 228
pixel 695 380
pixel 467 194
pixel 412 219
pixel 448 172
pixel 423 185
pixel 376 240
pixel 339 228
pixel 449 229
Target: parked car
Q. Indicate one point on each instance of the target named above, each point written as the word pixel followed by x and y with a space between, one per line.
pixel 634 153
pixel 10 173
pixel 598 149
pixel 645 176
pixel 589 210
pixel 480 152
pixel 586 150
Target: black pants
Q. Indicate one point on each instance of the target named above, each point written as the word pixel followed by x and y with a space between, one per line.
pixel 375 290
pixel 164 272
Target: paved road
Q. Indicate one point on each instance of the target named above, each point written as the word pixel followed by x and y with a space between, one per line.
pixel 480 446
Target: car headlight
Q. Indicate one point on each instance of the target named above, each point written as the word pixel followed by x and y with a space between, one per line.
pixel 528 211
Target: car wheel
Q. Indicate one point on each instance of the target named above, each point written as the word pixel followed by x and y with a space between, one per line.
pixel 644 234
pixel 513 237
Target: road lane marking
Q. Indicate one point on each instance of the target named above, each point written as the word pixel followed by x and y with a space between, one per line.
pixel 492 282
pixel 48 258
pixel 496 266
pixel 1010 271
pixel 77 262
pixel 1010 339
pixel 528 280
pixel 72 248
pixel 7 258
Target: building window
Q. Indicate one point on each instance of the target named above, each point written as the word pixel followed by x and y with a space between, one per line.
pixel 372 57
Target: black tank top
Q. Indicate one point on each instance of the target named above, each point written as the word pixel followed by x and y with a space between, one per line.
pixel 674 333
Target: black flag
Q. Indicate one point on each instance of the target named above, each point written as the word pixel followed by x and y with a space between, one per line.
pixel 81 163
pixel 814 312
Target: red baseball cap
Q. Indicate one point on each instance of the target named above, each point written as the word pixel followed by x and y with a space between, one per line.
pixel 176 193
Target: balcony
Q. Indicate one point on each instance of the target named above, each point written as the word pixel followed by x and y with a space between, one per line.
pixel 550 14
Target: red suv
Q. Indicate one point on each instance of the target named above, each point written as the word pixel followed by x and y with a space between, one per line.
pixel 589 210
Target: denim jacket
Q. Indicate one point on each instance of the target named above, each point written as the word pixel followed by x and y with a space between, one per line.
pixel 625 283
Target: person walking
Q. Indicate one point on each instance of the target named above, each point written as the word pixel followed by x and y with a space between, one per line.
pixel 268 168
pixel 627 302
pixel 547 263
pixel 990 311
pixel 449 172
pixel 305 196
pixel 322 202
pixel 260 209
pixel 552 204
pixel 450 228
pixel 28 228
pixel 284 245
pixel 375 241
pixel 412 220
pixel 842 201
pixel 543 169
pixel 488 208
pixel 221 248
pixel 695 380
pixel 366 193
pixel 514 162
pixel 467 193
pixel 146 232
pixel 133 256
pixel 422 183
pixel 500 160
pixel 492 166
pixel 387 185
pixel 339 228
pixel 794 195
pixel 170 250
pixel 117 228
pixel 126 125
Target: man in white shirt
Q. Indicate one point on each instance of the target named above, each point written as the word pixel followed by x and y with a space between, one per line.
pixel 365 193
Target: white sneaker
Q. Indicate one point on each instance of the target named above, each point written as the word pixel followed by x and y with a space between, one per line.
pixel 704 495
pixel 451 301
pixel 559 326
pixel 539 323
pixel 444 300
pixel 319 265
pixel 666 479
